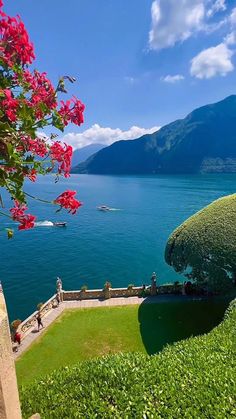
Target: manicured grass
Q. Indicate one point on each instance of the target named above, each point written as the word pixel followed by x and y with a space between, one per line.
pixel 192 379
pixel 89 333
pixel 81 334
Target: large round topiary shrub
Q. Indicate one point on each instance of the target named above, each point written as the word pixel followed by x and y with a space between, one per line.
pixel 204 246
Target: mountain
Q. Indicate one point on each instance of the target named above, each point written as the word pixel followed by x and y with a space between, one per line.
pixel 84 153
pixel 204 141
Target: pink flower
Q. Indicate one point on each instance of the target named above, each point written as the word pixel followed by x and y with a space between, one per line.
pixel 10 105
pixel 72 114
pixel 15 45
pixel 43 93
pixel 36 146
pixel 18 210
pixel 18 214
pixel 63 155
pixel 66 200
pixel 27 222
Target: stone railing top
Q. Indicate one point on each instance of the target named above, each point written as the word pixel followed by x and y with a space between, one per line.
pixel 101 289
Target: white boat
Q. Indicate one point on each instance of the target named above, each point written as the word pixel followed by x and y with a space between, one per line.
pixel 60 224
pixel 103 208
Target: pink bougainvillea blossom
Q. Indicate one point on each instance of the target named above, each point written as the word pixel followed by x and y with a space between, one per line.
pixel 36 146
pixel 15 46
pixel 26 222
pixel 43 93
pixel 18 210
pixel 66 200
pixel 72 114
pixel 10 105
pixel 18 214
pixel 62 153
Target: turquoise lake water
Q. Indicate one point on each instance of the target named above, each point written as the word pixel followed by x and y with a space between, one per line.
pixel 123 246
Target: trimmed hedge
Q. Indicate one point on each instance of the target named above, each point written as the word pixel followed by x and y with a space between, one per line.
pixel 204 246
pixel 191 379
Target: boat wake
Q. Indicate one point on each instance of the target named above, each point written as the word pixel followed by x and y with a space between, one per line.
pixel 105 208
pixel 45 223
pixel 115 209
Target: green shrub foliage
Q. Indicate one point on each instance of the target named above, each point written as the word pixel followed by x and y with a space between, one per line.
pixel 204 246
pixel 193 379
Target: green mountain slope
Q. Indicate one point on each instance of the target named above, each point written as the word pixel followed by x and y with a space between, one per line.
pixel 84 153
pixel 204 141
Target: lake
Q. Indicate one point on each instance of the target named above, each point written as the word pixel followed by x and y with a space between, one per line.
pixel 122 246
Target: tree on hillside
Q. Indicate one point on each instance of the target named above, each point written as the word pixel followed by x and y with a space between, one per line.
pixel 28 104
pixel 204 247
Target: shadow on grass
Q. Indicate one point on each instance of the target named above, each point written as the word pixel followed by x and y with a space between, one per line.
pixel 172 319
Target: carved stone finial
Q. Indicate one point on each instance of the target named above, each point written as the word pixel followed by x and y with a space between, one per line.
pixel 59 284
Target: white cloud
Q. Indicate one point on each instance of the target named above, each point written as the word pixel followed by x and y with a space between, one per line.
pixel 217 6
pixel 172 79
pixel 212 62
pixel 216 61
pixel 230 39
pixel 105 135
pixel 232 17
pixel 174 21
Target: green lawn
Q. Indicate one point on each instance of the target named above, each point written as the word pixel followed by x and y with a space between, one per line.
pixel 89 333
pixel 191 379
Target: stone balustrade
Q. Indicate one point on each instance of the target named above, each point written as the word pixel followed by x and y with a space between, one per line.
pixel 26 326
pixel 101 293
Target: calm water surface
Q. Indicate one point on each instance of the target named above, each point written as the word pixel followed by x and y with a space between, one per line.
pixel 122 246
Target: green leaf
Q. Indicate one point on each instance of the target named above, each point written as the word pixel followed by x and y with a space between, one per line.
pixel 10 233
pixel 57 122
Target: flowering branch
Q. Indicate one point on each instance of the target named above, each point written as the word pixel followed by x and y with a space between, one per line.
pixel 28 102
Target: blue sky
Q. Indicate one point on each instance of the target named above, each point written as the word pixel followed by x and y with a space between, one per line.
pixel 139 63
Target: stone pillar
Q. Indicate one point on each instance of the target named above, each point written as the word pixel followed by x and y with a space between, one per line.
pixel 9 397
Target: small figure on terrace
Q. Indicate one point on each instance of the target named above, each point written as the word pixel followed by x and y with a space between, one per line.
pixel 58 298
pixel 39 321
pixel 153 284
pixel 17 338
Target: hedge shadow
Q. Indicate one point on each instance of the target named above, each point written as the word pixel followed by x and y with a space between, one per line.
pixel 166 322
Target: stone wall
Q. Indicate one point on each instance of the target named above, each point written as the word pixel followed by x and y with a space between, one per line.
pixel 9 398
